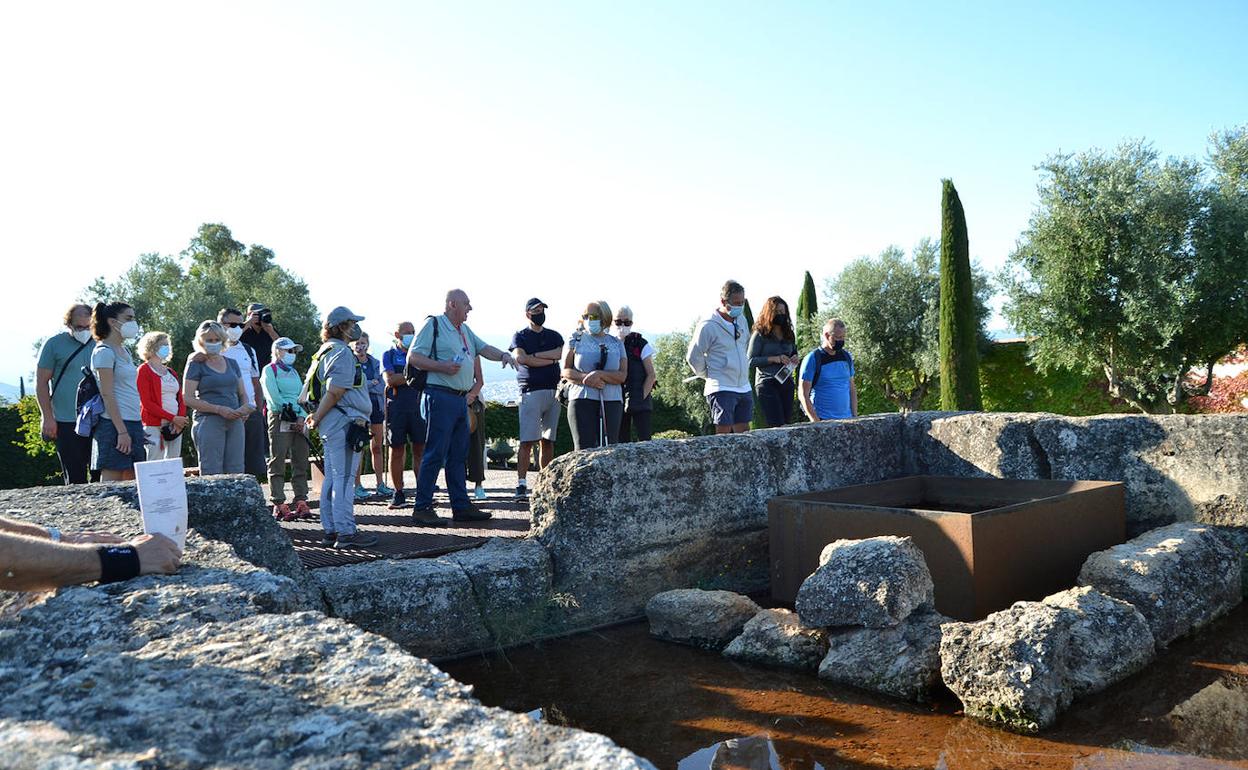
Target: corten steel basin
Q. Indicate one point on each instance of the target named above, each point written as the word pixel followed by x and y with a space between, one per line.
pixel 988 542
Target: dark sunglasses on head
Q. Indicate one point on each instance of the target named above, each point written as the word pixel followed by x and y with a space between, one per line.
pixel 230 325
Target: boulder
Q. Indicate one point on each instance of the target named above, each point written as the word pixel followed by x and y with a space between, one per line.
pixel 1180 577
pixel 707 619
pixel 778 638
pixel 270 692
pixel 231 509
pixel 426 605
pixel 629 521
pixel 998 444
pixel 1174 467
pixel 902 661
pixel 876 583
pixel 1010 668
pixel 1109 639
pixel 1214 720
pixel 510 582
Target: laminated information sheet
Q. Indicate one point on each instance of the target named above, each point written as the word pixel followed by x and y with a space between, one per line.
pixel 162 498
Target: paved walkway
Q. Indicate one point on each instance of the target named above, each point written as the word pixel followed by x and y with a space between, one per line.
pixel 400 538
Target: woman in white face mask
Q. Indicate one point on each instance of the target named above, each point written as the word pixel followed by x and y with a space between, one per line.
pixel 213 387
pixel 119 437
pixel 160 393
pixel 597 367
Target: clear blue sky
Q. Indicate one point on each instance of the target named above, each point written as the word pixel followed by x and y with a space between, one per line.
pixel 635 152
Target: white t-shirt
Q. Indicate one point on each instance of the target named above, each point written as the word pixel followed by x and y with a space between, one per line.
pixel 246 365
pixel 169 392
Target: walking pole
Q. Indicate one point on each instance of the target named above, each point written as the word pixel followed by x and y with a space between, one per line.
pixel 602 422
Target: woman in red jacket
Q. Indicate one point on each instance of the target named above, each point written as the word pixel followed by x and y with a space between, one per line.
pixel 160 395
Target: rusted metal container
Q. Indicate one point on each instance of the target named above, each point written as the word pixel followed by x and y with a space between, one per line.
pixel 988 542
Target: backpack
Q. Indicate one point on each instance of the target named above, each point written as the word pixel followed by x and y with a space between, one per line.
pixel 88 403
pixel 824 357
pixel 314 384
pixel 418 378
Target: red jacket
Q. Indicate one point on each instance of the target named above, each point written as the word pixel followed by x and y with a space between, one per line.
pixel 149 397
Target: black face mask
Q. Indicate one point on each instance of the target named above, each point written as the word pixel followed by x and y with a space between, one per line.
pixel 538 318
pixel 838 345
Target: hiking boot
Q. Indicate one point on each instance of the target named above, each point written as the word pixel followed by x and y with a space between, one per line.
pixel 398 501
pixel 360 492
pixel 522 493
pixel 302 511
pixel 358 540
pixel 328 539
pixel 471 514
pixel 428 517
pixel 281 512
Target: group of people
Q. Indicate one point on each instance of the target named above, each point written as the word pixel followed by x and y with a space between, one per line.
pixel 254 412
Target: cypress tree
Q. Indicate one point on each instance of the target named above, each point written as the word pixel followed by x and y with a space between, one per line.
pixel 803 321
pixel 749 316
pixel 959 355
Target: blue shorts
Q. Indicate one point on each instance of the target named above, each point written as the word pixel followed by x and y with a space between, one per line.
pixel 378 416
pixel 728 408
pixel 107 458
pixel 405 425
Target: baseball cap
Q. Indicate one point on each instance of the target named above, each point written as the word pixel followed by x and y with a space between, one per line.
pixel 286 343
pixel 256 307
pixel 341 314
pixel 533 304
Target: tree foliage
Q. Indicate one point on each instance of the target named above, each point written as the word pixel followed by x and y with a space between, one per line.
pixel 804 326
pixel 1137 268
pixel 959 354
pixel 175 294
pixel 671 392
pixel 891 308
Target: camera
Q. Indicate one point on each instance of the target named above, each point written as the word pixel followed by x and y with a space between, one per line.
pixel 266 317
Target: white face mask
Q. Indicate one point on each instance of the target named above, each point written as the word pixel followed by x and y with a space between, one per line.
pixel 163 352
pixel 130 329
pixel 233 333
pixel 82 335
pixel 213 348
pixel 623 331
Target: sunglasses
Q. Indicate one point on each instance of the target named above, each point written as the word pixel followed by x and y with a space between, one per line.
pixel 231 325
pixel 591 317
pixel 624 322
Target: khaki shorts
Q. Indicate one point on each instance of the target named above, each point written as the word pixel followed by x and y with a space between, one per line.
pixel 539 415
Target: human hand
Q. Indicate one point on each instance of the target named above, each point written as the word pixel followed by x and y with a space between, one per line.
pixel 593 380
pixel 49 429
pixel 198 358
pixel 157 553
pixel 471 397
pixel 450 367
pixel 179 422
pixel 123 441
pixel 508 360
pixel 106 538
pixel 310 422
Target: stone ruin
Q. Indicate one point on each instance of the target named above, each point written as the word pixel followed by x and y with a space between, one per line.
pixel 245 658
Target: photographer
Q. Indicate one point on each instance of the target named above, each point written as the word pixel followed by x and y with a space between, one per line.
pixel 597 367
pixel 258 332
pixel 281 385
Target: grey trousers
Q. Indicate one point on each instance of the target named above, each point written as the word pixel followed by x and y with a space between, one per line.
pixel 218 443
pixel 296 444
pixel 255 437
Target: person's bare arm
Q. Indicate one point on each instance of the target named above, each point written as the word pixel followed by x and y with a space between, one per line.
pixel 651 377
pixel 255 389
pixel 570 372
pixel 37 564
pixel 333 394
pixel 494 354
pixel 427 364
pixel 853 398
pixel 43 394
pixel 554 354
pixel 808 406
pixel 478 381
pixel 394 379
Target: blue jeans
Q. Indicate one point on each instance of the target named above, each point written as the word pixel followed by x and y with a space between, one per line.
pixel 446 447
pixel 338 489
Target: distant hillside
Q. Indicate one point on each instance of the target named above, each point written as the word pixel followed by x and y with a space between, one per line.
pixel 8 392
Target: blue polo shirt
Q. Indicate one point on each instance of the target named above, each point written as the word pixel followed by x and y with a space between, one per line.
pixel 394 360
pixel 537 377
pixel 831 394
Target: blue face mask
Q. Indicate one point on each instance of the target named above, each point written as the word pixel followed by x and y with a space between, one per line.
pixel 735 311
pixel 595 326
pixel 213 348
pixel 288 359
pixel 163 352
pixel 407 340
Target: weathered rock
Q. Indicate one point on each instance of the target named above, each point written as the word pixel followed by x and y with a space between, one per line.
pixel 426 605
pixel 778 638
pixel 274 691
pixel 511 583
pixel 1214 720
pixel 999 444
pixel 902 661
pixel 1010 668
pixel 1175 467
pixel 624 523
pixel 1109 639
pixel 876 582
pixel 1180 577
pixel 708 619
pixel 231 509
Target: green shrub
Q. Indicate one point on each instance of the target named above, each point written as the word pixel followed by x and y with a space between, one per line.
pixel 672 434
pixel 26 460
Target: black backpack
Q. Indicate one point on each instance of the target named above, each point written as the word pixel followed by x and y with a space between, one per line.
pixel 824 357
pixel 417 378
pixel 88 389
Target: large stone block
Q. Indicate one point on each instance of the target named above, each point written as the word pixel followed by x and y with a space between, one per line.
pixel 1109 639
pixel 272 692
pixel 231 509
pixel 778 638
pixel 1010 668
pixel 1175 467
pixel 876 583
pixel 1180 577
pixel 426 605
pixel 624 523
pixel 511 582
pixel 999 444
pixel 902 661
pixel 707 619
